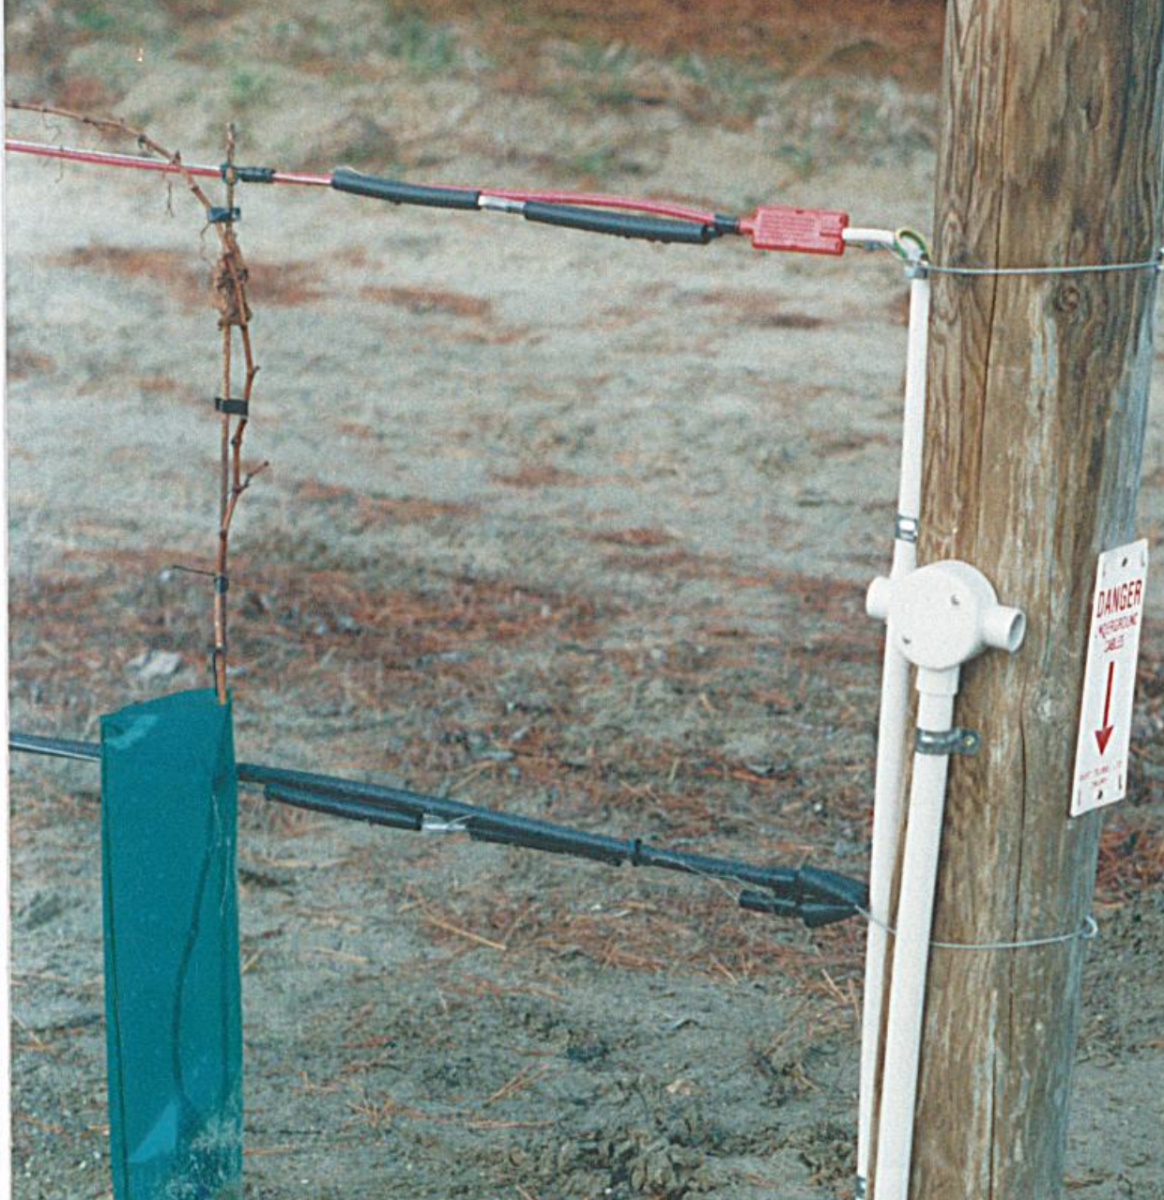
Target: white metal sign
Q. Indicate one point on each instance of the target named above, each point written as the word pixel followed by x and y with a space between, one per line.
pixel 1113 647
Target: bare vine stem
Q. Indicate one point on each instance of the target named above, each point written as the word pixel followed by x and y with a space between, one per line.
pixel 230 298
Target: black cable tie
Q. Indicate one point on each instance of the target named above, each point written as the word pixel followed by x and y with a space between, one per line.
pixel 217 215
pixel 235 408
pixel 246 174
pixel 222 584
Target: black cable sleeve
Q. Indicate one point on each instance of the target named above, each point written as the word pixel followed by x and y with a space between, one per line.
pixel 813 913
pixel 247 174
pixel 831 888
pixel 816 896
pixel 651 229
pixel 765 902
pixel 338 806
pixel 344 179
pixel 483 824
pixel 778 879
pixel 509 832
pixel 383 798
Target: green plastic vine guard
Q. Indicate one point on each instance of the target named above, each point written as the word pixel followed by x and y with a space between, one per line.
pixel 172 981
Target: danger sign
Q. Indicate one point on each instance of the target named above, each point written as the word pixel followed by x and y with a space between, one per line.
pixel 1109 682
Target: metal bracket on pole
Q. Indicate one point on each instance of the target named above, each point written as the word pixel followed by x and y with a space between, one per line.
pixel 906 529
pixel 947 741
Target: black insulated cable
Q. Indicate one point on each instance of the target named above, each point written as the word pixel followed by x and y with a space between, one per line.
pixel 482 824
pixel 813 913
pixel 651 229
pixel 811 894
pixel 775 878
pixel 344 179
pixel 338 806
pixel 505 831
pixel 28 743
pixel 828 887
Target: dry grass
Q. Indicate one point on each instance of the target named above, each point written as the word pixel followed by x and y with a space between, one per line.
pixel 357 511
pixel 901 39
pixel 650 923
pixel 638 537
pixel 22 364
pixel 538 475
pixel 1131 856
pixel 286 283
pixel 425 300
pixel 186 277
pixel 85 92
pixel 182 276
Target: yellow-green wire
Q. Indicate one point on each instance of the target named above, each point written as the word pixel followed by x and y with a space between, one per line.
pixel 905 234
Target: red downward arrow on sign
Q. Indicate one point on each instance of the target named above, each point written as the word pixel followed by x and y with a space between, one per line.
pixel 1103 736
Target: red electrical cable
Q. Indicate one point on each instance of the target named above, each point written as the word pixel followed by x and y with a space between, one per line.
pixel 588 199
pixel 137 162
pixel 105 159
pixel 301 177
pixel 770 227
pixel 662 208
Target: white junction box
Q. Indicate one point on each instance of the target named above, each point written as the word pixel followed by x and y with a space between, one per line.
pixel 1109 682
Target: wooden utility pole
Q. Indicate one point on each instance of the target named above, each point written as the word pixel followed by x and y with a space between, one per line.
pixel 1050 155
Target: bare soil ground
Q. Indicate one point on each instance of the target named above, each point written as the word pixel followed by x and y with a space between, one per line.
pixel 572 527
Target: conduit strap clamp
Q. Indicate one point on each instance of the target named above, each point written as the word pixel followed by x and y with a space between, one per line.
pixel 230 406
pixel 906 529
pixel 947 741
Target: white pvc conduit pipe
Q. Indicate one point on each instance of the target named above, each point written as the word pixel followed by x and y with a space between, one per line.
pixel 894 709
pixel 915 911
pixel 939 617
